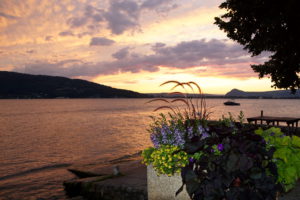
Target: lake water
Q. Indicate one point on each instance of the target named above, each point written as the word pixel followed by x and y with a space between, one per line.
pixel 39 139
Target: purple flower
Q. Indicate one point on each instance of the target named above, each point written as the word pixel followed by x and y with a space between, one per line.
pixel 168 134
pixel 192 160
pixel 155 140
pixel 164 133
pixel 179 138
pixel 220 147
pixel 201 129
pixel 204 135
pixel 190 132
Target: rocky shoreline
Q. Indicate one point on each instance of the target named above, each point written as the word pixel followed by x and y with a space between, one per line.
pixel 120 179
pixel 129 184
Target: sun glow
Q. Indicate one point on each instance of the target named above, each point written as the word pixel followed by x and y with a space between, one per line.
pixel 146 82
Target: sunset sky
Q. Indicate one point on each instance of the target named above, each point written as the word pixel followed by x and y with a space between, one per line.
pixel 129 44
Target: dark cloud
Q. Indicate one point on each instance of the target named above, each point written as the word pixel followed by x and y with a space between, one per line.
pixel 155 4
pixel 200 52
pixel 91 15
pixel 48 38
pixel 101 41
pixel 8 16
pixel 30 51
pixel 121 54
pixel 217 56
pixel 157 46
pixel 66 68
pixel 66 33
pixel 122 15
pixel 80 35
pixel 76 22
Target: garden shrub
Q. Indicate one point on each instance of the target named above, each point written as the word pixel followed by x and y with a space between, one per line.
pixel 286 155
pixel 234 165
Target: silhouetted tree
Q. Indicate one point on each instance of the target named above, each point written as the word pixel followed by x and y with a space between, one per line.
pixel 267 25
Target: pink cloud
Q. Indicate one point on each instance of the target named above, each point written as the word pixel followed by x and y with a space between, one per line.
pixel 219 57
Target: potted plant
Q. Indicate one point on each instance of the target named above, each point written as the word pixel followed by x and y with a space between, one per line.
pixel 221 160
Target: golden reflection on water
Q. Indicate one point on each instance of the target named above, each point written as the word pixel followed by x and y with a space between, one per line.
pixel 37 133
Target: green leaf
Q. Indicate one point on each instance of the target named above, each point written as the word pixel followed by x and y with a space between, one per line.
pixel 283 153
pixel 245 163
pixel 255 173
pixel 296 141
pixel 259 131
pixel 232 162
pixel 283 141
pixel 290 174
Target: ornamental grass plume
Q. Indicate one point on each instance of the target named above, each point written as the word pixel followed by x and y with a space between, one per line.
pixel 185 122
pixel 194 108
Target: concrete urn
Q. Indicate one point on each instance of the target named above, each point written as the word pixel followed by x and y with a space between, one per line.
pixel 163 187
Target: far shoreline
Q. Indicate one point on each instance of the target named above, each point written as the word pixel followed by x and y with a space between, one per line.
pixel 166 97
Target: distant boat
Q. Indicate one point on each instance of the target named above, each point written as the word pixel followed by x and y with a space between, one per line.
pixel 231 103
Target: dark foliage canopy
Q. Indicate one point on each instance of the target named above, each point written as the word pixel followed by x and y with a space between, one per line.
pixel 267 26
pixel 244 170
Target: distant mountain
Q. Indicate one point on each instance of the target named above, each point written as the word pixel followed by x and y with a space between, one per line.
pixel 278 94
pixel 167 95
pixel 18 85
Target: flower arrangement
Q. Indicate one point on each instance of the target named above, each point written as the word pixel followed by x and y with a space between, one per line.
pixel 220 160
pixel 169 134
pixel 167 159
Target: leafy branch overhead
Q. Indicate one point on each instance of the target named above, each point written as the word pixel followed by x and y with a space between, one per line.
pixel 267 26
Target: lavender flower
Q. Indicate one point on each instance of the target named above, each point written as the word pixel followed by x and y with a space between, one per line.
pixel 201 129
pixel 164 133
pixel 203 132
pixel 179 138
pixel 154 139
pixel 190 132
pixel 204 135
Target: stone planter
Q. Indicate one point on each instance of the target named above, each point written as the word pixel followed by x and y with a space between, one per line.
pixel 163 187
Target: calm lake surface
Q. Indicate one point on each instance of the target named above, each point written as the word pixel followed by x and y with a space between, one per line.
pixel 39 139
